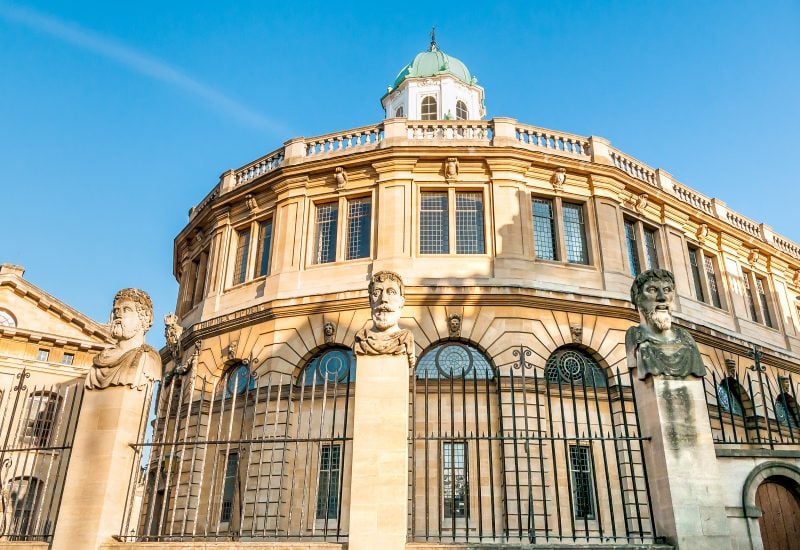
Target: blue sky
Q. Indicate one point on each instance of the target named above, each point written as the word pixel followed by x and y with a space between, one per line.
pixel 116 117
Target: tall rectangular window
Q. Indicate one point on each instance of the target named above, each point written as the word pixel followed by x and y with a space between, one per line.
pixel 748 294
pixel 434 236
pixel 580 465
pixel 763 301
pixel 574 233
pixel 328 482
pixel 229 487
pixel 455 488
pixel 359 230
pixel 711 276
pixel 694 263
pixel 469 223
pixel 327 221
pixel 633 249
pixel 544 236
pixel 264 244
pixel 651 252
pixel 242 251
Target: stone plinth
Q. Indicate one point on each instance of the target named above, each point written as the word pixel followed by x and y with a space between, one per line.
pixel 379 488
pixel 681 463
pixel 100 467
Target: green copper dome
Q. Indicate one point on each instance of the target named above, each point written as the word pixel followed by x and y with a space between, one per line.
pixel 434 62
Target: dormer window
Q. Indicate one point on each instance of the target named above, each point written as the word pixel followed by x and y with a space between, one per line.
pixel 428 111
pixel 399 112
pixel 461 111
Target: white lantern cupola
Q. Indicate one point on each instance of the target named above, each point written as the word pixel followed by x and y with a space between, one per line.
pixel 434 86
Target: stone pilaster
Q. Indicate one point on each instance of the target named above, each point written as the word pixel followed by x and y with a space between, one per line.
pixel 379 487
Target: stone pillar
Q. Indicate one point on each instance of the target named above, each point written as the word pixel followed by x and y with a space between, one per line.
pixel 96 487
pixel 379 487
pixel 681 463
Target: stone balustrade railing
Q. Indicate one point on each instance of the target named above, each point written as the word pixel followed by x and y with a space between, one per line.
pixel 693 198
pixel 343 142
pixel 441 130
pixel 495 132
pixel 554 142
pixel 633 167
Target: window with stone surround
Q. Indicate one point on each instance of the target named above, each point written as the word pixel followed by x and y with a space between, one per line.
pixel 428 108
pixel 452 219
pixel 582 474
pixel 461 111
pixel 328 481
pixel 704 268
pixel 359 228
pixel 399 112
pixel 43 355
pixel 326 232
pixel 563 241
pixel 355 225
pixel 242 251
pixel 757 298
pixel 642 245
pixel 67 358
pixel 263 248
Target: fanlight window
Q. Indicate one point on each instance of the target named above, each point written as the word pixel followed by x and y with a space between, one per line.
pixel 454 360
pixel 331 366
pixel 237 380
pixel 786 411
pixel 570 366
pixel 6 319
pixel 428 111
pixel 729 397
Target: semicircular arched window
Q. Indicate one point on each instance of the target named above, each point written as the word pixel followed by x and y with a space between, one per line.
pixel 428 110
pixel 454 360
pixel 786 411
pixel 331 366
pixel 6 319
pixel 729 397
pixel 571 366
pixel 237 380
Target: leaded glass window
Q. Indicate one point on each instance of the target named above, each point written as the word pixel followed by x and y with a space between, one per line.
pixel 544 229
pixel 237 380
pixel 711 276
pixel 264 244
pixel 229 487
pixel 651 252
pixel 331 366
pixel 428 110
pixel 633 251
pixel 358 228
pixel 327 221
pixel 453 360
pixel 580 466
pixel 751 302
pixel 694 263
pixel 455 483
pixel 461 111
pixel 728 397
pixel 763 301
pixel 328 481
pixel 469 222
pixel 242 251
pixel 572 367
pixel 434 237
pixel 574 233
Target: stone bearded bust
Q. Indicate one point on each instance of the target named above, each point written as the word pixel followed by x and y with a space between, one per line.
pixel 655 346
pixel 386 299
pixel 130 362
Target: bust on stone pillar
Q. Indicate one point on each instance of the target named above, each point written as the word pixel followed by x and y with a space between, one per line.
pixel 130 362
pixel 385 337
pixel 655 346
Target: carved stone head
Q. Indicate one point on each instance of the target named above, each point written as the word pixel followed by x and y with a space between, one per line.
pixel 328 330
pixel 386 299
pixel 454 325
pixel 653 295
pixel 131 314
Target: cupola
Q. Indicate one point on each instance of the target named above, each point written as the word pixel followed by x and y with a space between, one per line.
pixel 434 86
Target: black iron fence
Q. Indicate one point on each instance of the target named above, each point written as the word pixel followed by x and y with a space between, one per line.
pixel 525 454
pixel 37 428
pixel 753 404
pixel 247 457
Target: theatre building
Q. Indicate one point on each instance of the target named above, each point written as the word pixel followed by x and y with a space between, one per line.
pixel 525 425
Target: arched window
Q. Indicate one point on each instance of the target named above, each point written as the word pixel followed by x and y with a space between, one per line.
pixel 332 365
pixel 454 360
pixel 399 112
pixel 428 110
pixel 461 111
pixel 786 411
pixel 24 494
pixel 6 319
pixel 571 366
pixel 729 396
pixel 237 380
pixel 41 417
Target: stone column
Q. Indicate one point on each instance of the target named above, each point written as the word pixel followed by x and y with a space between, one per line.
pixel 379 487
pixel 96 486
pixel 681 463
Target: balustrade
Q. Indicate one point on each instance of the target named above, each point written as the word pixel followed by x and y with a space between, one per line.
pixel 634 168
pixel 344 141
pixel 554 142
pixel 742 223
pixel 446 130
pixel 259 167
pixel 694 199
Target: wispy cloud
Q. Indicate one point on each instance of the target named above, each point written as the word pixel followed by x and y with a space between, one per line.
pixel 136 61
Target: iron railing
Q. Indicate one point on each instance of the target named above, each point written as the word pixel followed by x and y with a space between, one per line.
pixel 37 429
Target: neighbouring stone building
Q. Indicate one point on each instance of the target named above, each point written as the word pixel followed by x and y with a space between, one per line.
pixel 523 422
